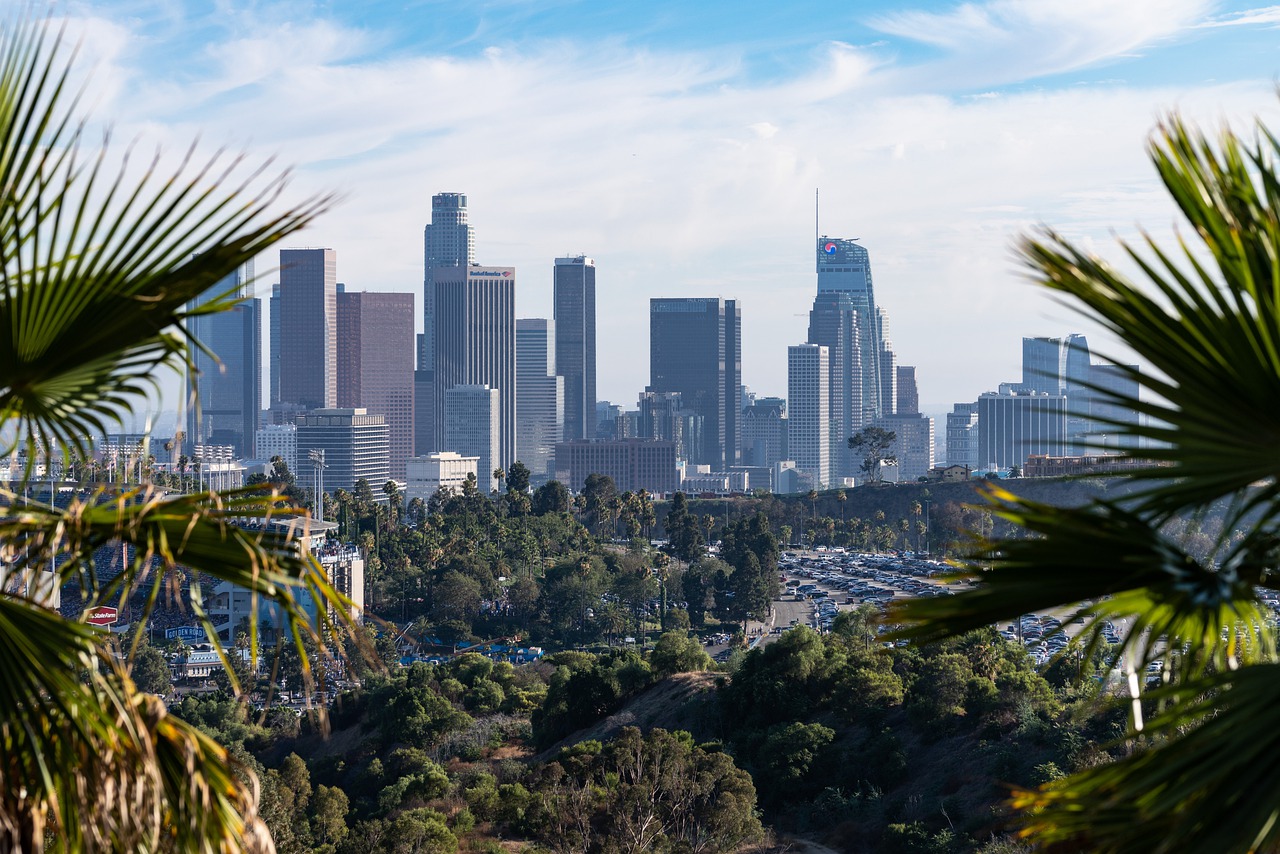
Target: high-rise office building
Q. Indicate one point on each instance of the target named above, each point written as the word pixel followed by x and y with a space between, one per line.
pixel 539 396
pixel 356 446
pixel 309 327
pixel 833 323
pixel 1062 366
pixel 375 363
pixel 845 266
pixel 1012 426
pixel 809 410
pixel 475 344
pixel 764 432
pixel 662 415
pixel 908 393
pixel 962 435
pixel 575 316
pixel 447 241
pixel 695 348
pixel 1108 418
pixel 473 427
pixel 228 387
pixel 913 444
pixel 273 367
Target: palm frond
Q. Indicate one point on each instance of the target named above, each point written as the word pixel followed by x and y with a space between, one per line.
pixel 1201 785
pixel 96 268
pixel 1117 566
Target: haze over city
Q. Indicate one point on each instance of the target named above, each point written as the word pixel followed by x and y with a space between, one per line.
pixel 680 146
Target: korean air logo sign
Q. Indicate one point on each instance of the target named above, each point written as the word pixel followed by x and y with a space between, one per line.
pixel 830 248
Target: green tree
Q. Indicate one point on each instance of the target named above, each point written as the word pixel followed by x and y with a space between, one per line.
pixel 551 497
pixel 873 443
pixel 98 270
pixel 683 532
pixel 1207 320
pixel 329 808
pixel 676 652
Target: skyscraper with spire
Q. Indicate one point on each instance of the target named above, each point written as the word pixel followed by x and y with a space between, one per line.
pixel 844 266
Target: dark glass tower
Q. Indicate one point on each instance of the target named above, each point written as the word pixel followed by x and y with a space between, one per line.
pixel 695 348
pixel 229 387
pixel 575 322
pixel 309 327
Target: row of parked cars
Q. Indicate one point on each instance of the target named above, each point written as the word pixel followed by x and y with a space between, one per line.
pixel 857 579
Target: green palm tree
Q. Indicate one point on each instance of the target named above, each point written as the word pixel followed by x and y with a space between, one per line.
pixel 96 270
pixel 1206 319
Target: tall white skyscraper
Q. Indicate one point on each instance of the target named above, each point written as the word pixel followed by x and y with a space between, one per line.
pixel 809 410
pixel 539 395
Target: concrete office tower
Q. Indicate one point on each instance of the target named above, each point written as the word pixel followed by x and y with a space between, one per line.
pixel 845 266
pixel 447 241
pixel 278 440
pixel 888 367
pixel 575 359
pixel 356 446
pixel 424 411
pixel 764 432
pixel 1012 426
pixel 274 348
pixel 539 396
pixel 229 388
pixel 695 348
pixel 833 323
pixel 375 363
pixel 662 415
pixel 309 327
pixel 908 393
pixel 473 428
pixel 913 444
pixel 429 473
pixel 809 410
pixel 962 435
pixel 475 344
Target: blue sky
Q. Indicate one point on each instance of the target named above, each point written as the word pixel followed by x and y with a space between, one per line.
pixel 679 144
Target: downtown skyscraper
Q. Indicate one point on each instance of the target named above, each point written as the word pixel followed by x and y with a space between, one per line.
pixel 475 344
pixel 308 324
pixel 447 241
pixel 833 323
pixel 375 364
pixel 539 396
pixel 575 345
pixel 695 348
pixel 845 267
pixel 228 388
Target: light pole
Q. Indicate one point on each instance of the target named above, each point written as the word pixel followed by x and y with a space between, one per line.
pixel 317 460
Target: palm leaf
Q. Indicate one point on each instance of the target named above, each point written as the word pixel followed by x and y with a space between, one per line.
pixel 1201 786
pixel 96 268
pixel 1117 566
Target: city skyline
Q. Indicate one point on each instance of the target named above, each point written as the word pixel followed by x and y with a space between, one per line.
pixel 683 157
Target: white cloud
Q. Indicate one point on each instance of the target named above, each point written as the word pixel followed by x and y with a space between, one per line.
pixel 1001 41
pixel 682 180
pixel 1262 16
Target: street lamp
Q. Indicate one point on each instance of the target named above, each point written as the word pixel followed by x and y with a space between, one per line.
pixel 317 460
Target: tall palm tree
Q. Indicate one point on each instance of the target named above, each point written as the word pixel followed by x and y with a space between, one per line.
pixel 96 270
pixel 1206 318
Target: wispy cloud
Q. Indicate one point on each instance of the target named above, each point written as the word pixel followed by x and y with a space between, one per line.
pixel 682 177
pixel 1268 16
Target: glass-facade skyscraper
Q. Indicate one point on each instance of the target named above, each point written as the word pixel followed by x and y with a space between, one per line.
pixel 845 266
pixel 575 357
pixel 229 388
pixel 309 327
pixel 695 348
